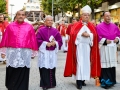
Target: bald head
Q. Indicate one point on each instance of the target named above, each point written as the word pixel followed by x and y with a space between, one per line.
pixel 48 21
pixel 48 17
pixel 107 17
pixel 20 11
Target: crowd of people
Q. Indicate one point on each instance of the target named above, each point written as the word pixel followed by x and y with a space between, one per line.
pixel 91 49
pixel 3 24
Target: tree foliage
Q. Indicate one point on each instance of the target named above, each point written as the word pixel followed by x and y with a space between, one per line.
pixel 68 5
pixel 2 6
pixel 47 7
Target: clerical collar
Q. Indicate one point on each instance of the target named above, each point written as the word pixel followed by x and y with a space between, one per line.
pixel 19 22
pixel 106 23
pixel 84 23
pixel 48 26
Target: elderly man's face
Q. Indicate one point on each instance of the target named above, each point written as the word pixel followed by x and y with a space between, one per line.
pixel 1 18
pixel 85 17
pixel 107 17
pixel 49 21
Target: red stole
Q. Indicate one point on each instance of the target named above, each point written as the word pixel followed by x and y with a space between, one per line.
pixel 71 64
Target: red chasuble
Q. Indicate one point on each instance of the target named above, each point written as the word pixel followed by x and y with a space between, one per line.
pixel 71 60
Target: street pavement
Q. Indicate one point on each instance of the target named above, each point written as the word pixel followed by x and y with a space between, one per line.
pixel 63 83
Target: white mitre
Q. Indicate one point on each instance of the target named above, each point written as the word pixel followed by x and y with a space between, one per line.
pixel 86 9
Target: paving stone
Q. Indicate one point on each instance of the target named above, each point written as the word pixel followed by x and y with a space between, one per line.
pixel 63 83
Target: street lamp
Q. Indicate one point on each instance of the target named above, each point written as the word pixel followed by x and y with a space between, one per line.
pixel 52 8
pixel 11 9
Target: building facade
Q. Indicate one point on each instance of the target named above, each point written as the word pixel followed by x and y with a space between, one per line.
pixel 33 10
pixel 111 5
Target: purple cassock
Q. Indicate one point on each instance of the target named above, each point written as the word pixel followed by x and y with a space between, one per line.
pixel 109 31
pixel 45 33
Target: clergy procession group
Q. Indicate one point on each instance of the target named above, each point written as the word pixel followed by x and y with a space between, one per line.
pixel 91 50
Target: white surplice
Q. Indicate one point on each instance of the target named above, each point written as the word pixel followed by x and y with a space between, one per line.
pixel 18 57
pixel 108 54
pixel 47 58
pixel 83 54
pixel 65 45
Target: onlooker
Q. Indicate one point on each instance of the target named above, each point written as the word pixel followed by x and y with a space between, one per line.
pixel 3 25
pixel 70 26
pixel 93 22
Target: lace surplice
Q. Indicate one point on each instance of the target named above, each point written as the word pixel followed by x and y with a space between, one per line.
pixel 18 57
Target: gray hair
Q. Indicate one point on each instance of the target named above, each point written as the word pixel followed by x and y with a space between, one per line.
pixel 48 16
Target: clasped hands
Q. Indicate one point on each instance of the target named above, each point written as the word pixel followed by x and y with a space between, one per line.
pixel 3 55
pixel 85 34
pixel 109 41
pixel 52 43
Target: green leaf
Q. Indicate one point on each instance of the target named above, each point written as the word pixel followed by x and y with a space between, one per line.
pixel 2 6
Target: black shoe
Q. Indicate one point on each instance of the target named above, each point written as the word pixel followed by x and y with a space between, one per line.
pixel 106 87
pixel 83 83
pixel 79 87
pixel 79 84
pixel 44 88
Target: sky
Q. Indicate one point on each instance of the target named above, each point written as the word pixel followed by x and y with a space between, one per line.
pixel 18 4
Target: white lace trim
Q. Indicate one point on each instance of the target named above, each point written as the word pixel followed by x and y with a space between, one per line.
pixel 47 59
pixel 18 57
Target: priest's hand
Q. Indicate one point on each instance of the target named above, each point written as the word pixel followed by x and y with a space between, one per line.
pixel 116 40
pixel 66 41
pixel 108 41
pixel 49 44
pixel 85 34
pixel 3 55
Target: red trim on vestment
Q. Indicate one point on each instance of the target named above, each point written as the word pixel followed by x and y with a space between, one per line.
pixel 70 67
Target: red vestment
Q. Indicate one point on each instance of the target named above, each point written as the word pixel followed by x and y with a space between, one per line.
pixel 71 60
pixel 3 26
pixel 69 29
pixel 62 29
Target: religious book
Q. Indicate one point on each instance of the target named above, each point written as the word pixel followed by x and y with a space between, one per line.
pixel 51 38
